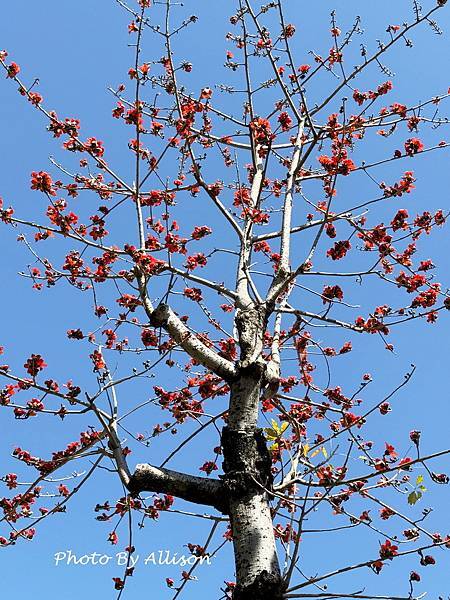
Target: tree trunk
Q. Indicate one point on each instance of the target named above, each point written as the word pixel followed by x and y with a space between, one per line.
pixel 247 468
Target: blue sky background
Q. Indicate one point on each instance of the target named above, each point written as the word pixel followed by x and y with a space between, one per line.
pixel 77 51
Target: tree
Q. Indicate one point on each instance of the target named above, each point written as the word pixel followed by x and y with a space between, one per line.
pixel 241 316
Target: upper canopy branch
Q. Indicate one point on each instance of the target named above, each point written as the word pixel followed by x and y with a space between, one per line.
pixel 163 316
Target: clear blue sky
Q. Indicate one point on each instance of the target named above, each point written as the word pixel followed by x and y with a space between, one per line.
pixel 77 50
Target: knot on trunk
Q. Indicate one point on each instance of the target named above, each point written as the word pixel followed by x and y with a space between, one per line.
pixel 250 324
pixel 247 462
pixel 267 586
pixel 160 315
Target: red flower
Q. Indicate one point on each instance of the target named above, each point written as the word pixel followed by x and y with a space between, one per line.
pixel 75 334
pixel 377 565
pixel 196 260
pixel 94 147
pixel 118 583
pixel 208 467
pixel 13 70
pixel 339 250
pixel 262 131
pixel 347 347
pixel 414 436
pixel 285 121
pixel 42 181
pixel 384 88
pixel 63 490
pixel 228 348
pixel 11 480
pixel 337 164
pixel 400 220
pixel 35 98
pixel 149 337
pixel 413 146
pixel 129 301
pixel 390 451
pixel 388 550
pixel 206 93
pixel 194 294
pixel 98 361
pixel 425 265
pixel 386 512
pixel 134 117
pixel 35 364
pixel 200 232
pixel 289 30
pixel 227 308
pixel 113 538
pixel 398 109
pixel 330 293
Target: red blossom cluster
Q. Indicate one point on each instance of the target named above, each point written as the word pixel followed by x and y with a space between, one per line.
pixel 339 250
pixel 87 438
pixel 42 182
pixel 262 131
pixel 404 186
pixel 35 364
pixel 413 146
pixel 361 97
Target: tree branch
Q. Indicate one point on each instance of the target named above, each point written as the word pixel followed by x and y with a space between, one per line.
pixel 199 490
pixel 163 316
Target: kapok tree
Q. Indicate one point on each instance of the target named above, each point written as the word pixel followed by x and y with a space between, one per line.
pixel 245 313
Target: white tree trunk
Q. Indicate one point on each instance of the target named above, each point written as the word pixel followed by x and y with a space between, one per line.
pixel 247 467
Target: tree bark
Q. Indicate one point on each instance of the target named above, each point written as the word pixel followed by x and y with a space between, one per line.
pixel 199 490
pixel 247 468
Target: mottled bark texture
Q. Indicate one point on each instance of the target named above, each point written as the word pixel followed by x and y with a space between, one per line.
pixel 163 316
pixel 199 490
pixel 243 491
pixel 247 470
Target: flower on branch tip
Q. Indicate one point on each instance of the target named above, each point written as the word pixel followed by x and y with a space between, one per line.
pixel 42 181
pixel 206 93
pixel 113 538
pixel 208 467
pixel 34 364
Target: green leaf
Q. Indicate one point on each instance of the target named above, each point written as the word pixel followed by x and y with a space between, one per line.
pixel 284 426
pixel 275 426
pixel 271 434
pixel 275 432
pixel 414 497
